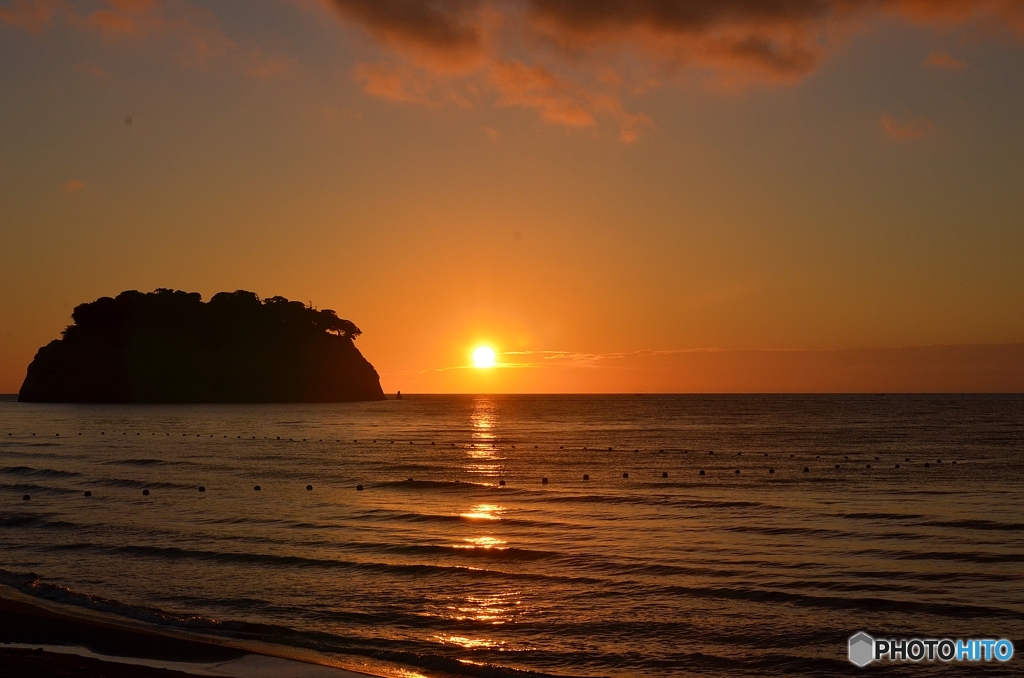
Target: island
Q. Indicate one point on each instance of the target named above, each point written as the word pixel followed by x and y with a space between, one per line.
pixel 168 346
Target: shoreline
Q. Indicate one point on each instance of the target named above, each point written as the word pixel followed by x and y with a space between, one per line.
pixel 76 640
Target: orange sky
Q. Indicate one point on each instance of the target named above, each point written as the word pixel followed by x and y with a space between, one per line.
pixel 657 195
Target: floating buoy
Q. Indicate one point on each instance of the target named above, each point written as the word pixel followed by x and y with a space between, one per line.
pixel 256 488
pixel 771 470
pixel 954 462
pixel 625 475
pixel 27 497
pixel 877 459
pixel 907 459
pixel 501 483
pixel 818 457
pixel 88 493
pixel 766 454
pixel 806 469
pixel 927 465
pixel 609 449
pixel 739 454
pixel 897 465
pixel 309 487
pixel 940 461
pixel 635 451
pixel 58 435
pixel 431 442
pixel 711 452
pixel 359 488
pixel 846 456
pixel 869 466
pixel 560 447
pixel 702 472
pixel 586 476
pixel 837 465
pixel 409 480
pixel 584 447
pixel 737 471
pixel 145 493
pixel 664 474
pixel 202 488
pixel 661 451
pixel 543 481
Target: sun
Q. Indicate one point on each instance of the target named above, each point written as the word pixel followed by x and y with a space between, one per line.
pixel 483 357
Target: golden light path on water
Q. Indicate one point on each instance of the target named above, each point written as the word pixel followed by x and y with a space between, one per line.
pixel 483 457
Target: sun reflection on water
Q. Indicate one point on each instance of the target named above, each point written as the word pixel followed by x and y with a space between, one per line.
pixel 483 453
pixel 484 512
pixel 481 543
pixel 469 643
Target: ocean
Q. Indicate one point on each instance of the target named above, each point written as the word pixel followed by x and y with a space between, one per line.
pixel 477 546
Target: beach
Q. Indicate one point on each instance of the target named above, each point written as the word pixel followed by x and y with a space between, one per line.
pixel 42 640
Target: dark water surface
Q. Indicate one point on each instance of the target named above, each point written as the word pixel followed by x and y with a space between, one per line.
pixel 753 574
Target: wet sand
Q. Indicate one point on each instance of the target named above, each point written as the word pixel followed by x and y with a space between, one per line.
pixel 40 641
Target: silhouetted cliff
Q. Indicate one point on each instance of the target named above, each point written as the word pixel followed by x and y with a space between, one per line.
pixel 170 347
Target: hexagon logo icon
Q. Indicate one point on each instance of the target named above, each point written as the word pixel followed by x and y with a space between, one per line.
pixel 862 649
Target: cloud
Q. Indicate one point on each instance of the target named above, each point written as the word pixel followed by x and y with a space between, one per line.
pixel 72 186
pixel 944 60
pixel 908 130
pixel 193 32
pixel 95 70
pixel 576 61
pixel 557 100
pixel 395 84
pixel 33 16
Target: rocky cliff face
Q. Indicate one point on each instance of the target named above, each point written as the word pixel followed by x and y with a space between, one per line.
pixel 171 347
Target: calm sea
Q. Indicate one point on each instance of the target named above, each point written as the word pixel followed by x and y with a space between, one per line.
pixel 755 568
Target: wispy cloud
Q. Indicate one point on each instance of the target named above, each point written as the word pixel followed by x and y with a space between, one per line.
pixel 193 32
pixel 72 186
pixel 944 60
pixel 576 62
pixel 907 130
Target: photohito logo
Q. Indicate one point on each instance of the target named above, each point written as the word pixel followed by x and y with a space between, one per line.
pixel 864 649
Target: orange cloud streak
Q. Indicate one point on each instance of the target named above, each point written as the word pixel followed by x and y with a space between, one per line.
pixel 944 60
pixel 908 130
pixel 196 32
pixel 578 51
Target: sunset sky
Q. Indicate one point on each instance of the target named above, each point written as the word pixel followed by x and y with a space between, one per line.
pixel 654 195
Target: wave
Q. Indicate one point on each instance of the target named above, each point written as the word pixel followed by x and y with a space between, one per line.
pixel 868 604
pixel 285 561
pixel 139 484
pixel 29 488
pixel 38 521
pixel 29 472
pixel 268 634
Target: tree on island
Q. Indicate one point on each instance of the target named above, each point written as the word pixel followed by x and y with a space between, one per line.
pixel 170 346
